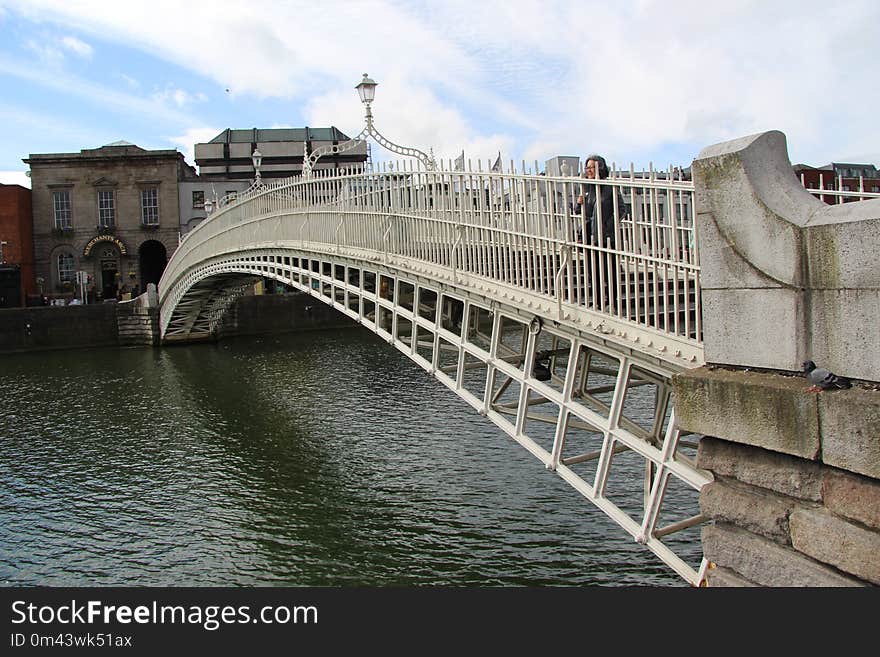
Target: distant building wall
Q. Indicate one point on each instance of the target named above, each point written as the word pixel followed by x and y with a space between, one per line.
pixel 194 193
pixel 16 246
pixel 273 313
pixel 229 155
pixel 67 190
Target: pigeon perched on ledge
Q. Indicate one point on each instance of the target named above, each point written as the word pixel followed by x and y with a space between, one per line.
pixel 822 379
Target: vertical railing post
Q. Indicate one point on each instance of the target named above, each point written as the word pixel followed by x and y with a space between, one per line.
pixel 386 238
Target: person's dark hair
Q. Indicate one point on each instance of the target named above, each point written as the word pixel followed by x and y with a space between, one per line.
pixel 603 165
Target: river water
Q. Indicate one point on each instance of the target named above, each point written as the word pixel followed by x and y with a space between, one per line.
pixel 303 459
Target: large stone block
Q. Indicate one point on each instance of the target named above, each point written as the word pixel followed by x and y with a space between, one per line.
pixel 747 507
pixel 782 473
pixel 723 267
pixel 754 327
pixel 852 496
pixel 845 330
pixel 765 410
pixel 759 227
pixel 850 430
pixel 842 254
pixel 745 184
pixel 835 541
pixel 725 578
pixel 765 562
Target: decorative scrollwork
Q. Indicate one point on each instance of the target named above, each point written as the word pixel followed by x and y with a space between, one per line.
pixel 311 159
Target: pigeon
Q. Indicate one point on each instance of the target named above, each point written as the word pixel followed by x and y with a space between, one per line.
pixel 822 379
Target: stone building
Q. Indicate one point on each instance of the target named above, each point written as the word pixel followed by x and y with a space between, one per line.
pixel 839 176
pixel 16 246
pixel 226 165
pixel 111 212
pixel 228 156
pixel 195 190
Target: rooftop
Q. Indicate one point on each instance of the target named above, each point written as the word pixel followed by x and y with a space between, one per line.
pixel 253 135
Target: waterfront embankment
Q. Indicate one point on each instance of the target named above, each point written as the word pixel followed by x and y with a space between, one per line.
pixel 126 324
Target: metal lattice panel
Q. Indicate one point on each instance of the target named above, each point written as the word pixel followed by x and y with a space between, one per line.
pixel 564 396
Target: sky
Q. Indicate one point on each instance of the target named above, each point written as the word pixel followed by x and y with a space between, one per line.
pixel 636 81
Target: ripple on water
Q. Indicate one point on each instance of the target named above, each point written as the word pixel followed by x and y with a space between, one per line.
pixel 310 459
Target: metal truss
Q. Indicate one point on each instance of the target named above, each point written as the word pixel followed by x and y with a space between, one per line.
pixel 574 401
pixel 199 312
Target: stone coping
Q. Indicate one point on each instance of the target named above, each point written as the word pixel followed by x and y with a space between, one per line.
pixel 840 428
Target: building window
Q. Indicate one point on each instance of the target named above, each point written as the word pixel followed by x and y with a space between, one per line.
pixel 150 206
pixel 65 267
pixel 875 188
pixel 62 209
pixel 199 200
pixel 231 195
pixel 106 208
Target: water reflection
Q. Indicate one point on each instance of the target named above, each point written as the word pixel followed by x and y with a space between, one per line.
pixel 303 459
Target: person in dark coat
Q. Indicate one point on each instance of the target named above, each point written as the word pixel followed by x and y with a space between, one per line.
pixel 596 219
pixel 586 206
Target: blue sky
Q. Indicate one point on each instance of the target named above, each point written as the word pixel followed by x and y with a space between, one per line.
pixel 638 81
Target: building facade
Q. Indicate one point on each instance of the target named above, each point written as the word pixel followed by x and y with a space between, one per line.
pixel 17 281
pixel 194 191
pixel 841 177
pixel 228 156
pixel 105 219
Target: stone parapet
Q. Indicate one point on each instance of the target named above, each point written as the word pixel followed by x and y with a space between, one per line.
pixel 784 277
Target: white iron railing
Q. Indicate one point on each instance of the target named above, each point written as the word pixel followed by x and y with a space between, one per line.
pixel 842 193
pixel 514 229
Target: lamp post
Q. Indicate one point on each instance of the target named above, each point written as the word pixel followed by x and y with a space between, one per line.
pixel 366 89
pixel 257 158
pixel 209 206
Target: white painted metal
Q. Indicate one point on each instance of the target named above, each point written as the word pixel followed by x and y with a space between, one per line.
pixel 507 234
pixel 512 284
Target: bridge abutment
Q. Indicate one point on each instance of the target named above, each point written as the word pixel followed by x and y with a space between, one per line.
pixel 796 495
pixel 785 278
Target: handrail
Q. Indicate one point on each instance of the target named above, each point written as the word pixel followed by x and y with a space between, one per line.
pixel 511 229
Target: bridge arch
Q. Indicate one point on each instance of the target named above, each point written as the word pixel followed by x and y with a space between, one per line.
pixel 480 281
pixel 550 338
pixel 571 400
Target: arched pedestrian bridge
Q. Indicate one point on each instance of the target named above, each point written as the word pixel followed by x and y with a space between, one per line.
pixel 491 282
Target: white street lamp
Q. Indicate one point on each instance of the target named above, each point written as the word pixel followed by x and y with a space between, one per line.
pixel 209 206
pixel 366 89
pixel 257 158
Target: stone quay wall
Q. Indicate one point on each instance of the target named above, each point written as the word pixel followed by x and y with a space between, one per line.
pixel 796 495
pixel 136 322
pixel 273 313
pixel 43 328
pixel 795 499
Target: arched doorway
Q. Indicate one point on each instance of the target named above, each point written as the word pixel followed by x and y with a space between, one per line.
pixel 152 260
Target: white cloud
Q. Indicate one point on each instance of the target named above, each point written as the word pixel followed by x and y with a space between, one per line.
pixel 186 142
pixel 90 92
pixel 48 53
pixel 623 79
pixel 15 178
pixel 178 97
pixel 77 47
